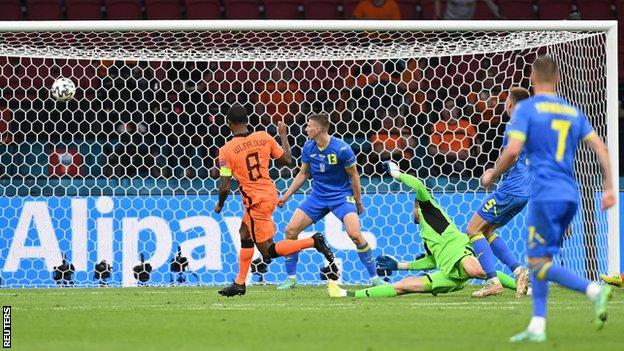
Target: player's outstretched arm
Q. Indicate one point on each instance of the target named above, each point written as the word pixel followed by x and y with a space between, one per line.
pixel 286 158
pixel 422 263
pixel 421 191
pixel 599 147
pixel 300 178
pixel 505 161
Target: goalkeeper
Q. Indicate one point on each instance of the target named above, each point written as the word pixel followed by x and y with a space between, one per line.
pixel 447 249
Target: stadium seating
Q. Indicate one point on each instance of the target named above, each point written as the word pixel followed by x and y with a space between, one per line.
pixel 10 10
pixel 203 9
pixel 44 10
pixel 553 9
pixel 517 9
pixel 162 9
pixel 242 9
pixel 65 162
pixel 83 9
pixel 596 9
pixel 348 6
pixel 428 9
pixel 322 9
pixel 282 9
pixel 409 9
pixel 123 9
pixel 482 11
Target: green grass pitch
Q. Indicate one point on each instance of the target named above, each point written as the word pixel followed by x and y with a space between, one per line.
pixel 196 318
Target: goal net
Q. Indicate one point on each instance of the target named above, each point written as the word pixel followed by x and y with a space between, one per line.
pixel 128 167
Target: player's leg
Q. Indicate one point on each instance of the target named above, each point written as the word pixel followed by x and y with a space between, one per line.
pixel 365 252
pixel 480 221
pixel 615 280
pixel 265 231
pixel 511 208
pixel 408 285
pixel 547 222
pixel 244 260
pixel 310 211
pixel 471 268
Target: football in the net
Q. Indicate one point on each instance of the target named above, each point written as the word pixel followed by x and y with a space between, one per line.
pixel 63 89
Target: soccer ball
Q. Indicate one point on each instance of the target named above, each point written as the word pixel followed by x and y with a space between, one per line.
pixel 63 89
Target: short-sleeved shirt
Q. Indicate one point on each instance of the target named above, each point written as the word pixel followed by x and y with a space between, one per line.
pixel 517 180
pixel 328 165
pixel 388 11
pixel 246 157
pixel 551 128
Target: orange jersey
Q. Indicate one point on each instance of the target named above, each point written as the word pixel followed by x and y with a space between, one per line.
pixel 247 157
pixel 367 10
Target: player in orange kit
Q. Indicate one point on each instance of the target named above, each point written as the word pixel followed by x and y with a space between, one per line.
pixel 246 157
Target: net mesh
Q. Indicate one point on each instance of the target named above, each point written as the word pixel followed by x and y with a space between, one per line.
pixel 128 166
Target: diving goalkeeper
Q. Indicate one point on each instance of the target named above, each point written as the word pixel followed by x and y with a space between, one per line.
pixel 447 249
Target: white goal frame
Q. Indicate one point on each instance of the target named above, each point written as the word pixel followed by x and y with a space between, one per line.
pixel 609 27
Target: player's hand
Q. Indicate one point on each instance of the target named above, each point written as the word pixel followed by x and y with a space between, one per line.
pixel 392 169
pixel 217 208
pixel 282 129
pixel 387 263
pixel 282 201
pixel 487 179
pixel 360 207
pixel 608 199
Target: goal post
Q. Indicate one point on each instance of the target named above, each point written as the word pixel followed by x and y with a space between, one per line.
pixel 127 168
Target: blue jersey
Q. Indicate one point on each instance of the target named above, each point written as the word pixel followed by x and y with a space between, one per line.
pixel 517 180
pixel 327 168
pixel 551 128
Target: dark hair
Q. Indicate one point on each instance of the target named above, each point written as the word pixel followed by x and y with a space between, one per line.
pixel 322 119
pixel 237 114
pixel 545 70
pixel 518 94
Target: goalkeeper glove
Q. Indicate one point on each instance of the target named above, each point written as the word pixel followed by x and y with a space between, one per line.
pixel 387 263
pixel 392 169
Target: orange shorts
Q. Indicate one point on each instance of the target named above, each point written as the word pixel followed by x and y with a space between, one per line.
pixel 259 220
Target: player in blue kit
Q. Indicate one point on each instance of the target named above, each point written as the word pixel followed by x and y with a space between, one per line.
pixel 550 129
pixel 509 199
pixel 330 162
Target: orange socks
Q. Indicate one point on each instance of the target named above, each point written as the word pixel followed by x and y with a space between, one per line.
pixel 289 247
pixel 244 261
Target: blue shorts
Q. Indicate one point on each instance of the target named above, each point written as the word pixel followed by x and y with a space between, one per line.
pixel 501 208
pixel 317 208
pixel 548 222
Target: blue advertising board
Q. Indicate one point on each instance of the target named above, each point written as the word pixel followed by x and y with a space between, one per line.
pixel 38 231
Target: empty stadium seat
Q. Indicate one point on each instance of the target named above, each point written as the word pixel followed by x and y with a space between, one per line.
pixel 428 9
pixel 83 9
pixel 516 9
pixel 242 9
pixel 348 6
pixel 596 9
pixel 123 9
pixel 322 9
pixel 10 10
pixel 44 10
pixel 162 9
pixel 482 11
pixel 553 9
pixel 282 9
pixel 409 9
pixel 203 9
